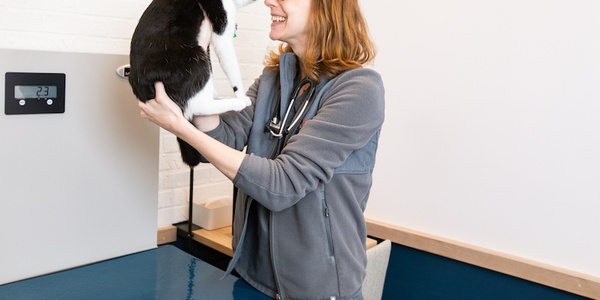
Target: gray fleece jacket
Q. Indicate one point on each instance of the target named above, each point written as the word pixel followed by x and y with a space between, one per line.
pixel 299 230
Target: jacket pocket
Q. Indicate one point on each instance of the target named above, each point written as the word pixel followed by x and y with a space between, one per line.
pixel 327 221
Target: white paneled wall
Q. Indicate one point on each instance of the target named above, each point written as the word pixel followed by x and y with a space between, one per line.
pixel 106 26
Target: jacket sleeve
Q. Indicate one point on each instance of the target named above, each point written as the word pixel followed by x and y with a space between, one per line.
pixel 351 112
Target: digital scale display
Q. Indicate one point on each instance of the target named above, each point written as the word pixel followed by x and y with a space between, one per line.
pixel 34 93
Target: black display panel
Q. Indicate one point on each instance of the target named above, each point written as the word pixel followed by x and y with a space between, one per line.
pixel 34 93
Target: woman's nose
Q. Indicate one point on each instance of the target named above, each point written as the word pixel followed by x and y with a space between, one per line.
pixel 270 3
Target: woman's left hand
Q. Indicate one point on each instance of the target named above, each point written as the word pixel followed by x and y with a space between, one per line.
pixel 163 111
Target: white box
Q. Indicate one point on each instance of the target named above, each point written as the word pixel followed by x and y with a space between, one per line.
pixel 214 213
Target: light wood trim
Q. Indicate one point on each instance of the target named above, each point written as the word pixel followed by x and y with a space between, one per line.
pixel 165 235
pixel 371 243
pixel 220 239
pixel 570 281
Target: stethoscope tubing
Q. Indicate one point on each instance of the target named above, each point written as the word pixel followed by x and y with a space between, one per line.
pixel 278 127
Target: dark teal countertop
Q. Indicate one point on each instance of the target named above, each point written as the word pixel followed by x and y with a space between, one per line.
pixel 162 273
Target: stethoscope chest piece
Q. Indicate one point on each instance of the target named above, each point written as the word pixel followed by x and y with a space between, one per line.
pixel 275 127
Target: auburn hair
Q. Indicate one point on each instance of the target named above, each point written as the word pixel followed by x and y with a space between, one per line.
pixel 338 40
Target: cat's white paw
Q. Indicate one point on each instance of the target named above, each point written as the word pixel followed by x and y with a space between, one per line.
pixel 242 102
pixel 247 100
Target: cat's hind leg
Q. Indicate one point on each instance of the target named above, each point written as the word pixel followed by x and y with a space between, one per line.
pixel 225 51
pixel 222 42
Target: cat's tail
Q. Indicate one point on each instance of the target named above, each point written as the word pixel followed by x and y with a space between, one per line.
pixel 190 156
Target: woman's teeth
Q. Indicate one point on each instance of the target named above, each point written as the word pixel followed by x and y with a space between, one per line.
pixel 277 19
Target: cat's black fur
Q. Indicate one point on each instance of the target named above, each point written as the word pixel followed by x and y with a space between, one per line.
pixel 165 47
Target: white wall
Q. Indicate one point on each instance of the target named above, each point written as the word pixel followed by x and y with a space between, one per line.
pixel 106 26
pixel 492 133
pixel 491 136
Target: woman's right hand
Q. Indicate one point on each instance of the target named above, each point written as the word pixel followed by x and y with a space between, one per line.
pixel 162 111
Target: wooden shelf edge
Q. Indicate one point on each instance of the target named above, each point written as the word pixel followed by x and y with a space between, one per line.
pixel 165 235
pixel 218 239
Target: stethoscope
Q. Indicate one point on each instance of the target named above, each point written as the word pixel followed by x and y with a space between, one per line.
pixel 278 127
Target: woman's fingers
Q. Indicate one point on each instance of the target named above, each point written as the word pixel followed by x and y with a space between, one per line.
pixel 159 91
pixel 161 110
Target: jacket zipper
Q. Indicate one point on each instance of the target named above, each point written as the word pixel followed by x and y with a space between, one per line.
pixel 273 264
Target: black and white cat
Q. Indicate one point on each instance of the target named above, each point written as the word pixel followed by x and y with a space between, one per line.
pixel 170 44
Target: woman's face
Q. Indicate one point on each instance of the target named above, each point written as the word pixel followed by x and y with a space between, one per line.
pixel 289 21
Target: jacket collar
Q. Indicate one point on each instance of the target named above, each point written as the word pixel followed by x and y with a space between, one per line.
pixel 288 73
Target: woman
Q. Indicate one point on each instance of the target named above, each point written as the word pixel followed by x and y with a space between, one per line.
pixel 299 231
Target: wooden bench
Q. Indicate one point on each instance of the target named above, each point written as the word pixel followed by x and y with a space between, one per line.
pixel 220 239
